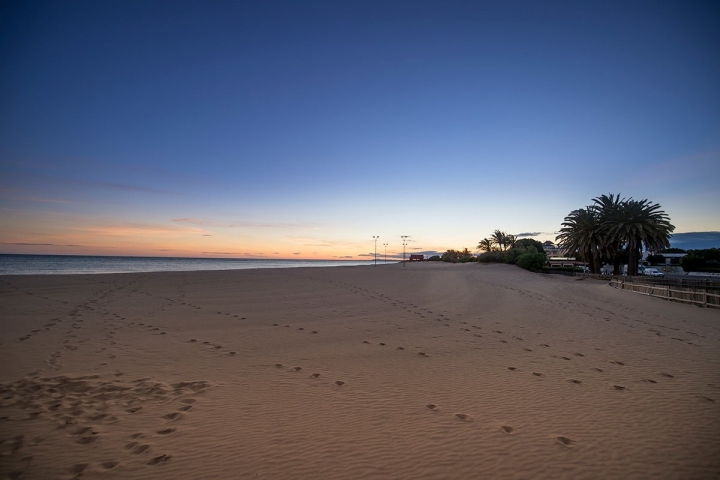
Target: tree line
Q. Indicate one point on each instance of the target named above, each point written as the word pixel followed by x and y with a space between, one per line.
pixel 610 230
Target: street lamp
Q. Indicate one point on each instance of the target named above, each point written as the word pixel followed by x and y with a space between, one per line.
pixel 375 238
pixel 404 242
pixel 385 252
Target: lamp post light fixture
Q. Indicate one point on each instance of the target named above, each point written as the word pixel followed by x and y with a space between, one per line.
pixel 385 252
pixel 375 237
pixel 404 242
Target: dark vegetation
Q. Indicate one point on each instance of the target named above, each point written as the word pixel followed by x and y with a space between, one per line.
pixel 612 228
pixel 707 260
pixel 503 248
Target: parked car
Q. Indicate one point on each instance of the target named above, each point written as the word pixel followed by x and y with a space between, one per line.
pixel 653 272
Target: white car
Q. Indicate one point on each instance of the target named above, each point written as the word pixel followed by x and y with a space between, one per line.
pixel 653 272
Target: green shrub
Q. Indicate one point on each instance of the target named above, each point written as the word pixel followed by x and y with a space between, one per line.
pixel 531 260
pixel 491 257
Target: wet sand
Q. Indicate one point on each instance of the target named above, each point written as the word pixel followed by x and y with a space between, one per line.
pixel 431 371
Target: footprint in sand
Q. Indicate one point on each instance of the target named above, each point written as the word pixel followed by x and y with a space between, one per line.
pixel 78 469
pixel 86 440
pixel 619 387
pixel 140 449
pixel 109 465
pixel 432 407
pixel 667 375
pixel 576 382
pixel 598 369
pixel 703 398
pixel 464 417
pixel 160 459
pixel 565 441
pixel 507 429
pixel 339 383
pixel 166 431
pixel 297 369
pixel 172 416
pixel 512 369
pixel 314 375
pixel 538 374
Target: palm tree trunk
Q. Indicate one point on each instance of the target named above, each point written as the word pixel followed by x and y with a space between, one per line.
pixel 633 259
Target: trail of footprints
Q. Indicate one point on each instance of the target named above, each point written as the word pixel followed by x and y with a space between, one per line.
pixel 506 429
pixel 477 332
pixel 82 408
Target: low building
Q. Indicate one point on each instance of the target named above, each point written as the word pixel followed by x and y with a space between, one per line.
pixel 417 258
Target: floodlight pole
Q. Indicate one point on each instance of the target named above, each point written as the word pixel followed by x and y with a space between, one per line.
pixel 385 252
pixel 404 242
pixel 375 237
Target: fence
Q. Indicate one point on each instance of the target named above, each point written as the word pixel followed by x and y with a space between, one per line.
pixel 704 297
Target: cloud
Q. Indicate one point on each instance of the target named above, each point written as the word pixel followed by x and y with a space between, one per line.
pixel 220 253
pixel 125 187
pixel 123 229
pixel 206 235
pixel 296 253
pixel 39 244
pixel 210 223
pixel 534 234
pixel 78 183
pixel 695 240
pixel 10 195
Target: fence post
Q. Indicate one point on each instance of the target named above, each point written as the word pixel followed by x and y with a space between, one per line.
pixel 705 296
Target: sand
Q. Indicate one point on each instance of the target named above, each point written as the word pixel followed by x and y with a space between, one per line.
pixel 430 371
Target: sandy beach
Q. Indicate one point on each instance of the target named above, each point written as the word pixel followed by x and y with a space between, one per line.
pixel 432 371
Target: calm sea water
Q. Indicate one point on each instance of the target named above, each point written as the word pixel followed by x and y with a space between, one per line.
pixel 72 264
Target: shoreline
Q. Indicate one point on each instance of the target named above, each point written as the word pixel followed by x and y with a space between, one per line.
pixel 431 370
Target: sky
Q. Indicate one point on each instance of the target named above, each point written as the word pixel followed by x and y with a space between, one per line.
pixel 294 129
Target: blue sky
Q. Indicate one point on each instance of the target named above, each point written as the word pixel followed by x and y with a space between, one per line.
pixel 302 129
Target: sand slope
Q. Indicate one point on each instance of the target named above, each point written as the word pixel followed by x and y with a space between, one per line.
pixel 424 371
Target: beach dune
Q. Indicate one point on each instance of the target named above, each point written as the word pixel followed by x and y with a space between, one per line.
pixel 431 371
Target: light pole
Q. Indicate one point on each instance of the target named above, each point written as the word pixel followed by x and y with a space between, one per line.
pixel 385 252
pixel 375 238
pixel 404 242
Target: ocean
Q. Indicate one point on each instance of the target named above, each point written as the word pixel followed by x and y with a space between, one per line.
pixel 77 264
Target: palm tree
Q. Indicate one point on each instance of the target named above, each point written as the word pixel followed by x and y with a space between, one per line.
pixel 638 223
pixel 582 232
pixel 486 244
pixel 500 239
pixel 608 207
pixel 510 241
